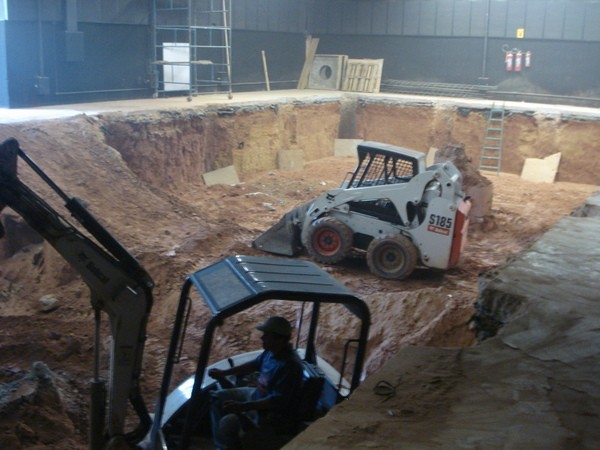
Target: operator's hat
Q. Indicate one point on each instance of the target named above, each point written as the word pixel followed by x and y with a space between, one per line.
pixel 277 325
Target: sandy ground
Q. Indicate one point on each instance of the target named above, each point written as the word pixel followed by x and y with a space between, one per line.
pixel 45 313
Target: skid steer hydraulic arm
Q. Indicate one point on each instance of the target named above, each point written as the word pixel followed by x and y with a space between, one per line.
pixel 119 286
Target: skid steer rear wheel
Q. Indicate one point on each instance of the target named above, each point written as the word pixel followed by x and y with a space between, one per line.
pixel 392 256
pixel 329 240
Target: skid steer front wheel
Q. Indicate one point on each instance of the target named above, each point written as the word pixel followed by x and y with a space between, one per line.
pixel 329 240
pixel 392 256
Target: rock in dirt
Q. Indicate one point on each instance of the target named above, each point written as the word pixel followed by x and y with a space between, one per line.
pixel 475 185
pixel 48 303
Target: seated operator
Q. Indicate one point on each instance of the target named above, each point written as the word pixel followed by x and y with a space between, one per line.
pixel 255 416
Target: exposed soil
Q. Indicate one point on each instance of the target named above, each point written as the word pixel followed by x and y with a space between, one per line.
pixel 175 228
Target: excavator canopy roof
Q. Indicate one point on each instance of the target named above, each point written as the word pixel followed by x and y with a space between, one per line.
pixel 238 282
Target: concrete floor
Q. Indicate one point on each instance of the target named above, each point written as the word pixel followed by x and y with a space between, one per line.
pixel 63 111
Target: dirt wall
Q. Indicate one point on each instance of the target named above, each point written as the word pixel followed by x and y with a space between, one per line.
pixel 171 149
pixel 423 125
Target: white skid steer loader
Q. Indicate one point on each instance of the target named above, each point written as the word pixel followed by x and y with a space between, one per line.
pixel 392 208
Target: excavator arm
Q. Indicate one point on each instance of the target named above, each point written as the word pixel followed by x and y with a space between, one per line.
pixel 118 285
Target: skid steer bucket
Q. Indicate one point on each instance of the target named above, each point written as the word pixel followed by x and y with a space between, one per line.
pixel 284 238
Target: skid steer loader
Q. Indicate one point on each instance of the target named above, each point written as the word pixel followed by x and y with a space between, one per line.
pixel 392 209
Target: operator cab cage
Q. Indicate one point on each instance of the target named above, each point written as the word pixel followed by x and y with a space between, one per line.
pixel 238 283
pixel 380 164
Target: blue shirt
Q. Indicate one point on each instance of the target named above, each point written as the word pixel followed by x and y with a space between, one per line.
pixel 280 378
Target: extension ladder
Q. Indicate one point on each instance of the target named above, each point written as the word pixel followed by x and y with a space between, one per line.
pixel 491 151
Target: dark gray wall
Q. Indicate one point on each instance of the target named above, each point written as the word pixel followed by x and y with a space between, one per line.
pixel 541 19
pixel 562 68
pixel 284 55
pixel 110 53
pixel 135 12
pixel 105 57
pixel 270 15
pixel 41 70
pixel 4 99
pixel 452 41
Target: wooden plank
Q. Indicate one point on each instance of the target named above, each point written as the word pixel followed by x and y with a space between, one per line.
pixel 311 51
pixel 377 79
pixel 348 76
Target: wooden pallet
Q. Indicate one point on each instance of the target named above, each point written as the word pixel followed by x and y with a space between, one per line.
pixel 363 75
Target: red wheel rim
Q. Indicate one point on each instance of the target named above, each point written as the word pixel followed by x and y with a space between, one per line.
pixel 327 242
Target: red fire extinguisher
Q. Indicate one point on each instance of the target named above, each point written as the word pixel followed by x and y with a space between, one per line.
pixel 527 59
pixel 518 60
pixel 508 60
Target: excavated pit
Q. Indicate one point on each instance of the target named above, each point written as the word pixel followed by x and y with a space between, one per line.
pixel 142 176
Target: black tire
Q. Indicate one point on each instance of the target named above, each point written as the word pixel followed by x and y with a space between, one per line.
pixel 392 256
pixel 328 240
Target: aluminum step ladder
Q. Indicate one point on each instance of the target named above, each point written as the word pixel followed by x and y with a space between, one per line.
pixel 491 150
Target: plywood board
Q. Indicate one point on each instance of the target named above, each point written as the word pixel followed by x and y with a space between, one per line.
pixel 430 158
pixel 346 147
pixel 226 175
pixel 176 75
pixel 541 170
